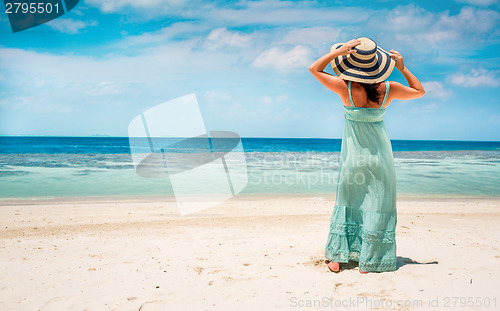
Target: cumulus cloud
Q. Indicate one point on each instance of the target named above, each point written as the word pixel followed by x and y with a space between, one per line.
pixel 311 36
pixel 285 13
pixel 478 2
pixel 282 23
pixel 435 89
pixel 110 6
pixel 476 77
pixel 424 108
pixel 222 103
pixel 269 100
pixel 266 100
pixel 282 98
pixel 409 24
pixel 30 103
pixel 281 58
pixel 230 14
pixel 153 72
pixel 216 97
pixel 69 25
pixel 222 37
pixel 105 88
pixel 416 26
pixel 178 30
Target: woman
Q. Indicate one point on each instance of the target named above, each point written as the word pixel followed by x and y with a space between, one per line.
pixel 363 222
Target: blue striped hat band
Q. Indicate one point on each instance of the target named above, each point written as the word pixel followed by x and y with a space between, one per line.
pixel 369 64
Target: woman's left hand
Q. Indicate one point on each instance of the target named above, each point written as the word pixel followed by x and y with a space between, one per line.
pixel 347 48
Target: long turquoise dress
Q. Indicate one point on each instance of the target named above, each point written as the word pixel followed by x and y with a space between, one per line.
pixel 363 222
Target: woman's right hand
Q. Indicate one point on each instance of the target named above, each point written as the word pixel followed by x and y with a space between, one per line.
pixel 348 47
pixel 399 60
pixel 399 91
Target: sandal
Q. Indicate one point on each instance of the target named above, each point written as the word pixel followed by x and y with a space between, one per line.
pixel 333 266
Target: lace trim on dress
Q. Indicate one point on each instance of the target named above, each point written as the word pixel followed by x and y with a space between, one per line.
pixel 376 265
pixel 383 265
pixel 367 236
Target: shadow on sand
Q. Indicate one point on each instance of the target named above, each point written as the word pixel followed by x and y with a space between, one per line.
pixel 403 261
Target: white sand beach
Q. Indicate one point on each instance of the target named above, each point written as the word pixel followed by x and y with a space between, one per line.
pixel 248 253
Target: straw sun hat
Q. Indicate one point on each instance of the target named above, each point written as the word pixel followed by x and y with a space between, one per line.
pixel 369 64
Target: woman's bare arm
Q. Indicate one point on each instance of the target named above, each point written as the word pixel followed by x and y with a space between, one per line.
pixel 333 83
pixel 399 91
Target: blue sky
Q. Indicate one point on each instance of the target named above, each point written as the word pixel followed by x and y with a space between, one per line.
pixel 91 71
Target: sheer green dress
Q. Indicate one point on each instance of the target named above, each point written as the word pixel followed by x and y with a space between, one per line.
pixel 363 222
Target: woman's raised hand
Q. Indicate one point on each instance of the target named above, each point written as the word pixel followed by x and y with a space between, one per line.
pixel 399 59
pixel 347 48
pixel 399 91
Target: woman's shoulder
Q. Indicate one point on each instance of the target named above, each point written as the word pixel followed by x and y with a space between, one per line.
pixel 394 83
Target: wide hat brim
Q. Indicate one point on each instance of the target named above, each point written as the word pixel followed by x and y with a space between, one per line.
pixel 349 67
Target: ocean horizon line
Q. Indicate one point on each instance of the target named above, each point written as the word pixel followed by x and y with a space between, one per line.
pixel 260 137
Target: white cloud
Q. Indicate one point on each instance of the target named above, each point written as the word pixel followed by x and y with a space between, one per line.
pixel 282 98
pixel 417 27
pixel 111 6
pixel 280 58
pixel 269 100
pixel 277 24
pixel 266 100
pixel 470 21
pixel 81 81
pixel 216 97
pixel 105 88
pixel 476 77
pixel 435 89
pixel 311 36
pixel 163 35
pixel 69 25
pixel 289 22
pixel 222 104
pixel 406 18
pixel 478 2
pixel 423 108
pixel 122 86
pixel 285 13
pixel 221 37
pixel 77 11
pixel 230 14
pixel 31 103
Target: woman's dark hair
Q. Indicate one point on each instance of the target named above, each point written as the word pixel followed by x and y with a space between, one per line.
pixel 371 91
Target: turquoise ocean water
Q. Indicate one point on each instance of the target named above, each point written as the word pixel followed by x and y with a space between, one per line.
pixel 38 168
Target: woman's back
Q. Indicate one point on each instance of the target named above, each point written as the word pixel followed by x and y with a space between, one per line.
pixel 360 97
